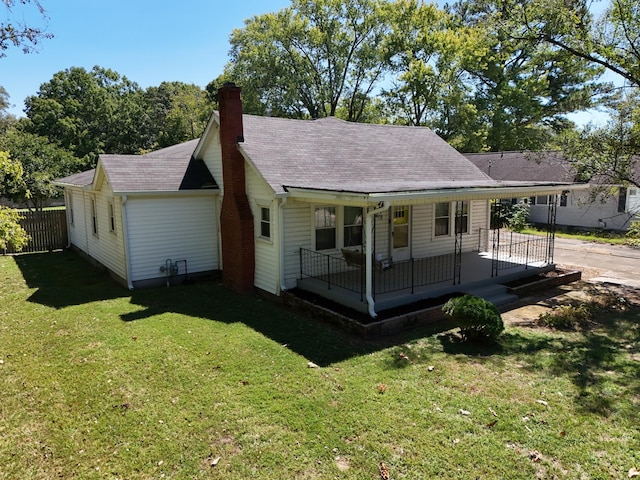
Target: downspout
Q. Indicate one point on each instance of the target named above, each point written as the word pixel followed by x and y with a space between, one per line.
pixel 125 239
pixel 283 201
pixel 368 235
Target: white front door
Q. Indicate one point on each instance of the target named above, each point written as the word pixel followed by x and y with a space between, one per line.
pixel 400 233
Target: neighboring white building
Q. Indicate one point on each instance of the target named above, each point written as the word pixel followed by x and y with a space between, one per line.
pixel 601 206
pixel 372 216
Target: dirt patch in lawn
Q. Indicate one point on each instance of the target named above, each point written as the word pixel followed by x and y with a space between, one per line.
pixel 528 309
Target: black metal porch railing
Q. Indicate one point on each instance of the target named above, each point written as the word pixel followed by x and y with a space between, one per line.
pixel 512 249
pixel 415 272
pixel 404 275
pixel 333 270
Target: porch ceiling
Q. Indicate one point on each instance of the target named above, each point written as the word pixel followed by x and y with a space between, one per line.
pixel 505 190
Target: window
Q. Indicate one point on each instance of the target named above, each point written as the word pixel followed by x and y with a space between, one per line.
pixel 325 220
pixel 622 200
pixel 462 220
pixel 442 219
pixel 352 226
pixel 563 198
pixel 94 218
pixel 400 227
pixel 265 222
pixel 70 205
pixel 112 218
pixel 542 200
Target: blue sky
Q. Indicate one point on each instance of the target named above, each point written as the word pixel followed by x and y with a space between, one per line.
pixel 148 41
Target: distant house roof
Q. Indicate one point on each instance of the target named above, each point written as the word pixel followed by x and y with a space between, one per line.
pixel 332 154
pixel 524 166
pixel 169 169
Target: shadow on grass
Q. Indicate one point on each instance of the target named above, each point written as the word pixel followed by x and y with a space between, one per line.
pixel 588 358
pixel 63 279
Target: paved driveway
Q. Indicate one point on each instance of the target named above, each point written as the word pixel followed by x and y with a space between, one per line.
pixel 612 263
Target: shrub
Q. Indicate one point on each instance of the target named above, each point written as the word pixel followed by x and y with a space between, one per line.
pixel 567 317
pixel 633 234
pixel 478 319
pixel 518 217
pixel 11 233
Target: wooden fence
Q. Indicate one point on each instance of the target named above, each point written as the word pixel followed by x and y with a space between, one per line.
pixel 47 229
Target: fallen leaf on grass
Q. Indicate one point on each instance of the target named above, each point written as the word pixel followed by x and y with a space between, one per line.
pixel 535 455
pixel 382 388
pixel 542 402
pixel 430 368
pixel 213 461
pixel 312 365
pixel 491 424
pixel 464 412
pixel 384 471
pixel 633 472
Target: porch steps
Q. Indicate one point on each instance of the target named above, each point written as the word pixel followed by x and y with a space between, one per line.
pixel 494 293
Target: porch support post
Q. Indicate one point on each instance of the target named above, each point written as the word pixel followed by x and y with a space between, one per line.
pixel 551 227
pixel 368 255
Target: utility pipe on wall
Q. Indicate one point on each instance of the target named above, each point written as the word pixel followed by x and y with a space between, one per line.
pixel 368 235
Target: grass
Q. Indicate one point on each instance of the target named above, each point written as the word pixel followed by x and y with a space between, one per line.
pixel 615 238
pixel 197 382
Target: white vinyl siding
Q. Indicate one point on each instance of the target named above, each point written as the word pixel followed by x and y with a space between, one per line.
pixel 106 249
pixel 267 271
pixel 212 157
pixel 77 232
pixel 298 231
pixel 176 228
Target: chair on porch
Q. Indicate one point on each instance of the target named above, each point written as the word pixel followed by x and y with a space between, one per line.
pixel 356 259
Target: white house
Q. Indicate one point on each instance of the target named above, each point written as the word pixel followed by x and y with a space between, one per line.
pixel 372 216
pixel 601 206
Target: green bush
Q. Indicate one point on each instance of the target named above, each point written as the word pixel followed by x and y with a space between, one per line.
pixel 478 319
pixel 11 233
pixel 633 234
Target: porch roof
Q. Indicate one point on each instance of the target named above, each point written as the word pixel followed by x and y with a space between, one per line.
pixel 437 193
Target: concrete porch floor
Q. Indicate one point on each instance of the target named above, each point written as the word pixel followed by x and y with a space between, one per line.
pixel 475 279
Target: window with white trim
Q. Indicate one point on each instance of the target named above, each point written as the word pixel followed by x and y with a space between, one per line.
pixel 462 221
pixel 325 226
pixel 352 226
pixel 94 217
pixel 442 218
pixel 265 223
pixel 112 217
pixel 70 208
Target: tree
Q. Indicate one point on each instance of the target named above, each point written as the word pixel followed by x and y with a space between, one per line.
pixel 612 40
pixel 609 154
pixel 88 113
pixel 6 119
pixel 310 58
pixel 524 89
pixel 177 111
pixel 40 163
pixel 11 233
pixel 16 33
pixel 10 175
pixel 428 52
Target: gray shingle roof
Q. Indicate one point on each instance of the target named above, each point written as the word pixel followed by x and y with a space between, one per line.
pixel 524 166
pixel 332 154
pixel 169 169
pixel 81 179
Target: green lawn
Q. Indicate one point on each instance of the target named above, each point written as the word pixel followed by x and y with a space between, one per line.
pixel 197 382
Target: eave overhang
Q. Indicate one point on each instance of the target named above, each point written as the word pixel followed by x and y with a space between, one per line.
pixel 432 195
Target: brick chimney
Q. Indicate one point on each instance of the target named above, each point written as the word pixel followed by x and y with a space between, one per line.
pixel 236 219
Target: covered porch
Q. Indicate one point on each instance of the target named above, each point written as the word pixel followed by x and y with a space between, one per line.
pixel 500 256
